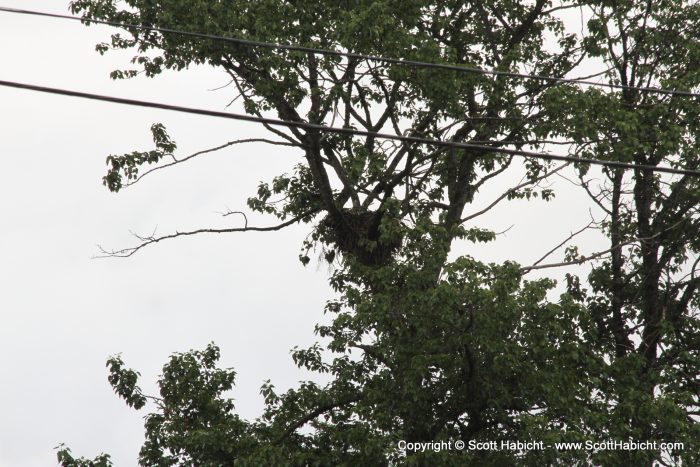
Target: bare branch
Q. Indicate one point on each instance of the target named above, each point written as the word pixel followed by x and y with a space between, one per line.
pixel 573 234
pixel 245 218
pixel 596 200
pixel 581 260
pixel 218 88
pixel 206 151
pixel 504 231
pixel 511 190
pixel 598 254
pixel 145 241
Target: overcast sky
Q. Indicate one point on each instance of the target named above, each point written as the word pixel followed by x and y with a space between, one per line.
pixel 63 313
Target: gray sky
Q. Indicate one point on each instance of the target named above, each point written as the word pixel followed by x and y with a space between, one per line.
pixel 64 313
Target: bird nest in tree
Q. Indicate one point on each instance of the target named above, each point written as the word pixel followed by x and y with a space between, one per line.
pixel 356 233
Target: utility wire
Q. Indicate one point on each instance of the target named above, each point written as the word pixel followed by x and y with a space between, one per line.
pixel 375 58
pixel 347 131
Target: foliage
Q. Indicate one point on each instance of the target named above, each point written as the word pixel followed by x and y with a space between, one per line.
pixel 425 346
pixel 127 165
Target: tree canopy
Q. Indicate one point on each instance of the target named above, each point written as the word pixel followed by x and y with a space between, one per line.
pixel 425 345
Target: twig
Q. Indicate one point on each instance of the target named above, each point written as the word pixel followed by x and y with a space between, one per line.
pixel 504 231
pixel 245 218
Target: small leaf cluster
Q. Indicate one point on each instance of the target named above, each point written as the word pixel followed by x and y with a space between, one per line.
pixel 127 166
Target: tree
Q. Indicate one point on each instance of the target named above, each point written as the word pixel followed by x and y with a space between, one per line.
pixel 425 347
pixel 643 296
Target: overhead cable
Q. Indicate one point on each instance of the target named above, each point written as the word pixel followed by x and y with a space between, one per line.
pixel 480 148
pixel 354 55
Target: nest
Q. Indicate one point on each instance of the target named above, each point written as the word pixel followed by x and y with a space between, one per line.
pixel 357 234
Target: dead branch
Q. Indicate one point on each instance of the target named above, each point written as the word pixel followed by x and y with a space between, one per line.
pixel 245 218
pixel 145 241
pixel 573 234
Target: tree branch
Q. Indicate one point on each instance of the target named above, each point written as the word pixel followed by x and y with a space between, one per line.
pixel 312 415
pixel 586 227
pixel 584 259
pixel 511 190
pixel 126 252
pixel 206 151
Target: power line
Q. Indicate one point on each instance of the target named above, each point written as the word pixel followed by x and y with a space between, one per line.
pixel 345 131
pixel 375 58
